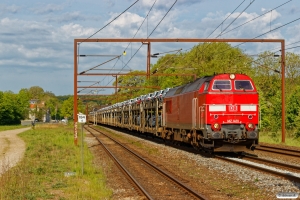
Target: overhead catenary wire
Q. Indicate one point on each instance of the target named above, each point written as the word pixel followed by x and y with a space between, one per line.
pixel 142 23
pixel 236 18
pixel 222 23
pixel 110 21
pixel 138 30
pixel 227 26
pixel 254 18
pixel 269 31
pixel 156 70
pixel 273 53
pixel 102 79
pixel 285 46
pixel 130 42
pixel 103 28
pixel 162 19
pixel 292 47
pixel 258 36
pixel 147 38
pixel 248 21
pixel 225 19
pixel 151 33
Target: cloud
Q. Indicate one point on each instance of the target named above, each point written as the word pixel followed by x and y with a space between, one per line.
pixel 67 17
pixel 46 9
pixel 10 9
pixel 128 23
pixel 73 30
pixel 166 5
pixel 124 26
pixel 293 10
pixel 37 44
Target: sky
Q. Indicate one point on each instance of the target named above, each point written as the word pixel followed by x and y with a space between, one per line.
pixel 37 37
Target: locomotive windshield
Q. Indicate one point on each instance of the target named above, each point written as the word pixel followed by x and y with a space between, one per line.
pixel 222 85
pixel 243 85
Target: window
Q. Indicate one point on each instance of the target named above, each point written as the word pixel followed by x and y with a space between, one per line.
pixel 243 85
pixel 222 85
pixel 206 84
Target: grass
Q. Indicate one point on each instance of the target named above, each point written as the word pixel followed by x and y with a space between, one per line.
pixel 11 127
pixel 50 153
pixel 275 138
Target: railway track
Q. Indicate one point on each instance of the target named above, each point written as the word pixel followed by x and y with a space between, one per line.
pixel 284 166
pixel 277 150
pixel 150 181
pixel 283 170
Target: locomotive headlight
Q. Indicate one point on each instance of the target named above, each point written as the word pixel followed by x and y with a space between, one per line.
pixel 250 126
pixel 232 76
pixel 216 127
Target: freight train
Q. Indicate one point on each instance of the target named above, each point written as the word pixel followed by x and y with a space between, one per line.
pixel 218 113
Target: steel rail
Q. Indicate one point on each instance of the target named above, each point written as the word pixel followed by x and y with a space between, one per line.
pixel 276 151
pixel 283 175
pixel 126 172
pixel 166 174
pixel 282 149
pixel 273 162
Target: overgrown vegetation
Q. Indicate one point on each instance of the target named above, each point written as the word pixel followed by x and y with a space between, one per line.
pixel 50 153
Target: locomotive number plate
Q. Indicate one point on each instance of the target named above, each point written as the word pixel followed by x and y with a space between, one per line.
pixel 232 108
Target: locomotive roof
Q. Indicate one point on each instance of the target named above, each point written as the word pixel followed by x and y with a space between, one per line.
pixel 189 87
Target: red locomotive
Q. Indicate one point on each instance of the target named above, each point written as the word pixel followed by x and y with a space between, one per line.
pixel 215 113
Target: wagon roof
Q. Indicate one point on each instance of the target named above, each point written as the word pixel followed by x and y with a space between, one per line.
pixel 193 86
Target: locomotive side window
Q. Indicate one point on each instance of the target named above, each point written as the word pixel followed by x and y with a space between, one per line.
pixel 222 85
pixel 206 84
pixel 243 85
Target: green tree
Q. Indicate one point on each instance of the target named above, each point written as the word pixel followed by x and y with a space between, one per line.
pixel 36 92
pixel 292 71
pixel 202 60
pixel 67 108
pixel 23 99
pixel 10 112
pixel 51 104
pixel 293 108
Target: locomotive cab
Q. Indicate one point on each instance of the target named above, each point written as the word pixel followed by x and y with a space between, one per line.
pixel 231 102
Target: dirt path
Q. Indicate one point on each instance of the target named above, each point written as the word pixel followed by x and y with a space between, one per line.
pixel 12 148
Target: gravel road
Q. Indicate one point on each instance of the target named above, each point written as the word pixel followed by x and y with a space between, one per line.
pixel 12 148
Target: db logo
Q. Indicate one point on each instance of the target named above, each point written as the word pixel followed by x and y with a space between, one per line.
pixel 232 108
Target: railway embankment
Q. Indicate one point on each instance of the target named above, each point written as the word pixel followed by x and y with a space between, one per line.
pixel 218 179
